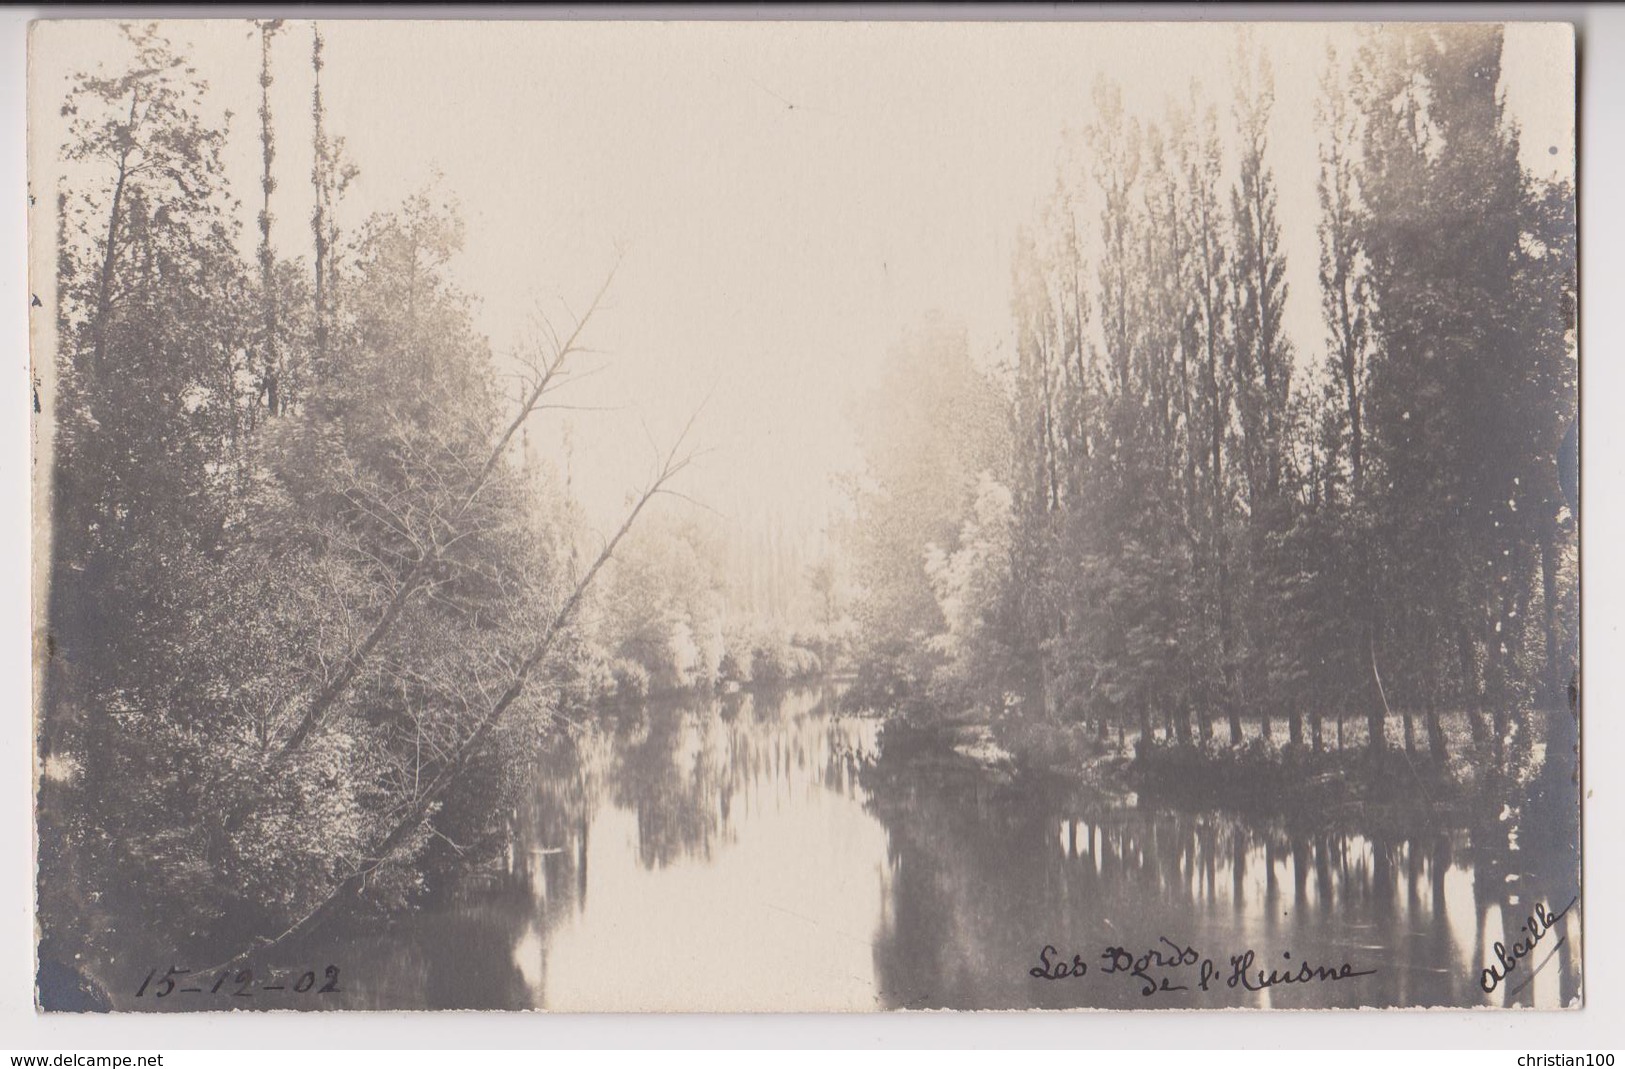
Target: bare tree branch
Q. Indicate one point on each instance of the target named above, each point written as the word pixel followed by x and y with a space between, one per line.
pixel 674 463
pixel 416 572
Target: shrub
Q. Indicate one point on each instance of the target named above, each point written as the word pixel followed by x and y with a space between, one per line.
pixel 733 668
pixel 770 662
pixel 804 664
pixel 631 680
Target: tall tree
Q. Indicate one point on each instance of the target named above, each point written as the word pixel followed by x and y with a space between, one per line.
pixel 1443 228
pixel 271 372
pixel 1201 164
pixel 1263 374
pixel 933 426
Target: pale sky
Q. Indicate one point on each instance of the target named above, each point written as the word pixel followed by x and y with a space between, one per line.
pixel 790 198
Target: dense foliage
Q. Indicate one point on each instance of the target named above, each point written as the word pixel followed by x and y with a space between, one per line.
pixel 1197 535
pixel 309 615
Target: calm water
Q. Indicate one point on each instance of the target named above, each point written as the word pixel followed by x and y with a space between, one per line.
pixel 746 853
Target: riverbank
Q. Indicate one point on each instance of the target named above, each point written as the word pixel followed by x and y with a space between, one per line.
pixel 1329 786
pixel 1394 788
pixel 1007 749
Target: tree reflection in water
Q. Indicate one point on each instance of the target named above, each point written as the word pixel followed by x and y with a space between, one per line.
pixel 754 851
pixel 984 874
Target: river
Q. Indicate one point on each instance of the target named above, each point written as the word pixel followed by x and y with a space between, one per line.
pixel 747 852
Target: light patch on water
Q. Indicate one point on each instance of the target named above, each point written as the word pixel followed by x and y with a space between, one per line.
pixel 777 904
pixel 779 918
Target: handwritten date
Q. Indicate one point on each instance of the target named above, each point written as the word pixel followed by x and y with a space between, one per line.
pixel 239 983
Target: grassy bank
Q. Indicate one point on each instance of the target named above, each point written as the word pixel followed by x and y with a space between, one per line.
pixel 1260 777
pixel 1342 779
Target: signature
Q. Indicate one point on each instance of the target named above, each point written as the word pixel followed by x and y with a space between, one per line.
pixel 1540 922
pixel 1170 966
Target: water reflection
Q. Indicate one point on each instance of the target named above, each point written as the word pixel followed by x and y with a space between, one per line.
pixel 751 853
pixel 709 855
pixel 982 878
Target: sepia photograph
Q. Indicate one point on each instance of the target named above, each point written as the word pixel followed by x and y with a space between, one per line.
pixel 791 516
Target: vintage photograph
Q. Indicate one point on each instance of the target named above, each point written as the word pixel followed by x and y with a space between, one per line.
pixel 804 516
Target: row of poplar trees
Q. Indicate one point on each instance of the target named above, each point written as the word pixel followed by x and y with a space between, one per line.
pixel 307 619
pixel 1214 528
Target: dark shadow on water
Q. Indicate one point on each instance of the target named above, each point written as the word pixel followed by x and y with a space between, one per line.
pixel 986 873
pixel 718 839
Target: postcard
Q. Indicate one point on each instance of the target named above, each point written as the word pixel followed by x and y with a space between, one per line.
pixel 805 516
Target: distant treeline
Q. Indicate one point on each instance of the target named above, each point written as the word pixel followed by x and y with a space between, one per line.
pixel 671 618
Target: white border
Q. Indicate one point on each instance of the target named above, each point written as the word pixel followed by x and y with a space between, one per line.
pixel 1599 1025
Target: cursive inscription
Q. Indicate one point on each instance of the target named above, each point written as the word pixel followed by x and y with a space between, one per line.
pixel 1540 922
pixel 1149 967
pixel 1242 974
pixel 1050 969
pixel 1169 966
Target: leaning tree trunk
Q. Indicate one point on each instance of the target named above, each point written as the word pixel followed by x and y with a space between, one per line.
pixel 457 765
pixel 115 219
pixel 416 574
pixel 1376 704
